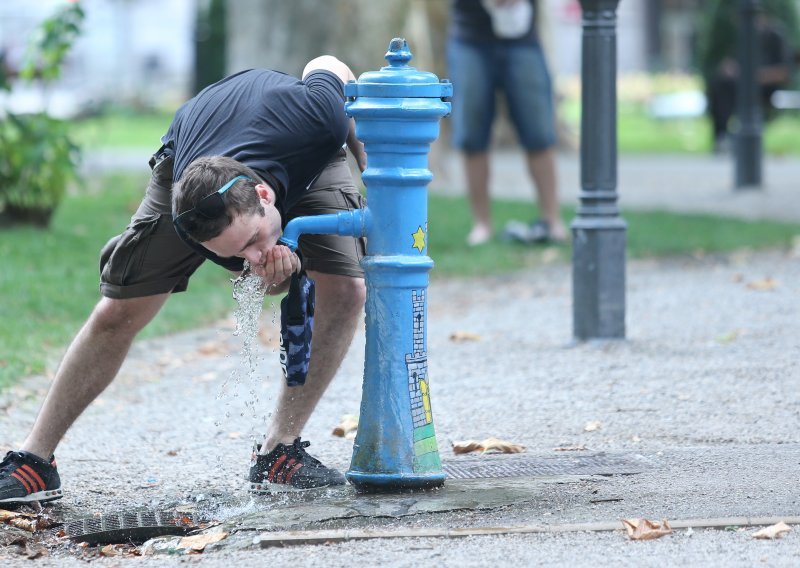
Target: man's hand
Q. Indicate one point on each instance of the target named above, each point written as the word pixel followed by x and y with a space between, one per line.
pixel 279 264
pixel 356 147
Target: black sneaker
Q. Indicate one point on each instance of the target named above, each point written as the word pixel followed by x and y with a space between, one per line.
pixel 289 467
pixel 25 478
pixel 538 231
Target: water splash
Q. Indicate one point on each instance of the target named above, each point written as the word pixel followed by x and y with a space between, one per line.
pixel 249 292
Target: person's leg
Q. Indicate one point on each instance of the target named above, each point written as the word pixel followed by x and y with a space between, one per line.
pixel 721 108
pixel 476 165
pixel 89 365
pixel 339 308
pixel 333 263
pixel 529 92
pixel 542 169
pixel 472 114
pixel 139 268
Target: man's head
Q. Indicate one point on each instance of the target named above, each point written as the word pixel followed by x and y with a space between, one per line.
pixel 203 208
pixel 223 205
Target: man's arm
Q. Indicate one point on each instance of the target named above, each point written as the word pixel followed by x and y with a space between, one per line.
pixel 341 70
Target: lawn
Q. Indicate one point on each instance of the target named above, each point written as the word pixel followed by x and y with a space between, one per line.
pixel 637 131
pixel 49 280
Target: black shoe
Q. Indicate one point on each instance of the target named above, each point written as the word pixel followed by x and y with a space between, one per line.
pixel 25 478
pixel 289 467
pixel 536 232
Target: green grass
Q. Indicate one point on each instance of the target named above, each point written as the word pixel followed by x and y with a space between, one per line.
pixel 49 281
pixel 122 129
pixel 655 233
pixel 637 132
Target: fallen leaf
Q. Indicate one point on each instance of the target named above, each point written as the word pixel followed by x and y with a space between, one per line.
pixel 109 550
pixel 577 448
pixel 773 531
pixel 234 435
pixel 466 446
pixel 487 445
pixel 592 425
pixel 730 336
pixel 644 529
pixel 198 542
pixel 24 521
pixel 763 284
pixel 464 336
pixel 213 349
pixel 348 425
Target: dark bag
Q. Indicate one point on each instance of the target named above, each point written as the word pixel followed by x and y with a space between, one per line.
pixel 297 322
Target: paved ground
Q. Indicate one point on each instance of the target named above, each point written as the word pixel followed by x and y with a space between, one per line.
pixel 703 395
pixel 674 183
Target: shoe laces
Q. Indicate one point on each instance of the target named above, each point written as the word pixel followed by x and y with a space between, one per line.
pixel 10 461
pixel 298 451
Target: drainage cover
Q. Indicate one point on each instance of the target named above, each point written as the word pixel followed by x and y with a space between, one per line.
pixel 499 465
pixel 129 526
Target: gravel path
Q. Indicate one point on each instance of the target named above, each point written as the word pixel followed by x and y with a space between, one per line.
pixel 705 388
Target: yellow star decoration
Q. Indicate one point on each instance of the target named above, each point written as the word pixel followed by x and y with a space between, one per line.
pixel 419 239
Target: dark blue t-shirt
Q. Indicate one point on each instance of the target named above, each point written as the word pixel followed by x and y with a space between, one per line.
pixel 285 129
pixel 281 127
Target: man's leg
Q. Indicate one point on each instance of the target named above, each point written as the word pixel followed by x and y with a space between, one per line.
pixel 542 169
pixel 89 365
pixel 476 166
pixel 339 305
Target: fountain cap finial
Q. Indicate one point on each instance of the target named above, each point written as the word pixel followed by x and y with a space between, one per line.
pixel 398 79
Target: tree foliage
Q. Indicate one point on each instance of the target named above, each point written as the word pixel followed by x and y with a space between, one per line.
pixel 37 157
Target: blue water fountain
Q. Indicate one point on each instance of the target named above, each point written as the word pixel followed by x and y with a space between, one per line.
pixel 397 112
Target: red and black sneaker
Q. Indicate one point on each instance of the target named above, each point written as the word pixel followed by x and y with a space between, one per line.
pixel 25 478
pixel 289 467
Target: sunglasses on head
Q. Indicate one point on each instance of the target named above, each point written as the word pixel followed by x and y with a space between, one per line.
pixel 211 207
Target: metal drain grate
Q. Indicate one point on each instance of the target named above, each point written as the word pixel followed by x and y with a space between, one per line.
pixel 498 465
pixel 128 526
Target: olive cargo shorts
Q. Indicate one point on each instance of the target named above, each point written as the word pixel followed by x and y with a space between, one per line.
pixel 149 258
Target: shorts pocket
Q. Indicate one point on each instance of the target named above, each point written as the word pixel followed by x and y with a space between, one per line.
pixel 122 257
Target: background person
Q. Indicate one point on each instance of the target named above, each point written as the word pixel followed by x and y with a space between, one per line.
pixel 493 46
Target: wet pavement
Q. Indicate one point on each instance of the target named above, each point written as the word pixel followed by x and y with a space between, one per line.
pixel 693 418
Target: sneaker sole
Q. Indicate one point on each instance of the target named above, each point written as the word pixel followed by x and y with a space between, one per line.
pixel 270 488
pixel 41 496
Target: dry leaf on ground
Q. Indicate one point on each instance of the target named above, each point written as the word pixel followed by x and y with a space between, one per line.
pixel 198 542
pixel 730 336
pixel 347 426
pixel 763 284
pixel 26 521
pixel 644 529
pixel 773 531
pixel 213 349
pixel 592 425
pixel 110 550
pixel 464 336
pixel 488 445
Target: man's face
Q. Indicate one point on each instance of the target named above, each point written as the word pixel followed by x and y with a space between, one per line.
pixel 250 237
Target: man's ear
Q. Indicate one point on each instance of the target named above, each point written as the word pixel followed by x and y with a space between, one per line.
pixel 266 193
